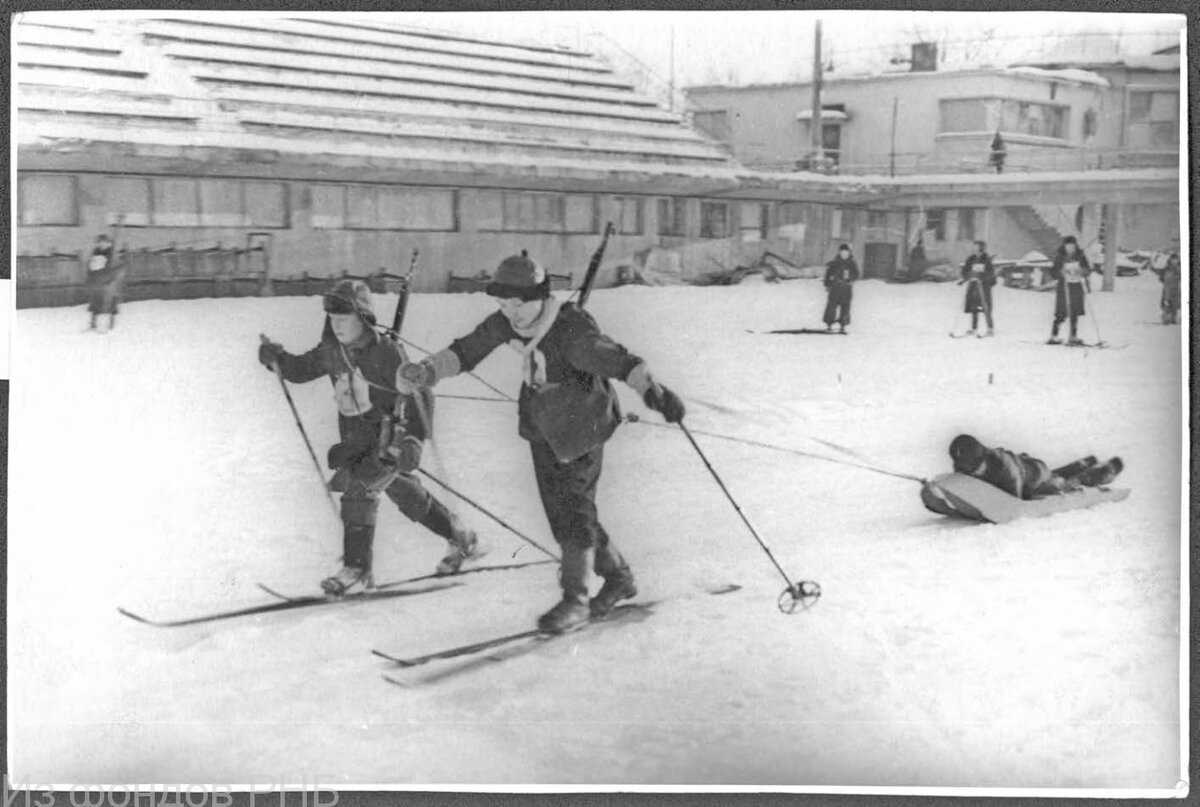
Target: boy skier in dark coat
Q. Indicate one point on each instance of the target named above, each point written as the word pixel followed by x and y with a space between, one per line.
pixel 567 410
pixel 1070 271
pixel 1024 476
pixel 840 274
pixel 980 276
pixel 103 281
pixel 381 433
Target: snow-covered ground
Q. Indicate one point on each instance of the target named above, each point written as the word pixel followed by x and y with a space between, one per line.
pixel 158 468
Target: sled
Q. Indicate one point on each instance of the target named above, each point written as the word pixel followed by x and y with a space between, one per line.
pixel 968 497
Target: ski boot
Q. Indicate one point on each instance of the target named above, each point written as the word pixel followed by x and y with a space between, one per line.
pixel 571 613
pixel 464 546
pixel 618 586
pixel 1054 340
pixel 347 579
pixel 1074 341
pixel 1076 468
pixel 1102 474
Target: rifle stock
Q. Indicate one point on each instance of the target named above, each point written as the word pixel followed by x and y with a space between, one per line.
pixel 594 266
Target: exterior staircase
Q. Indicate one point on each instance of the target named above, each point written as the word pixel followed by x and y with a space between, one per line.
pixel 1044 235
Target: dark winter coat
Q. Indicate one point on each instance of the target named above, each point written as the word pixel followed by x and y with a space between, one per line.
pixel 371 396
pixel 1171 294
pixel 978 268
pixel 840 272
pixel 1018 475
pixel 575 408
pixel 103 280
pixel 1070 274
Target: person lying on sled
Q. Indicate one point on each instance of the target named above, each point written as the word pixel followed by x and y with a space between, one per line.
pixel 1024 476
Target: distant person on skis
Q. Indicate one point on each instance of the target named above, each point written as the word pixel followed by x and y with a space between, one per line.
pixel 1024 476
pixel 1069 271
pixel 980 276
pixel 103 281
pixel 840 274
pixel 567 410
pixel 1171 293
pixel 381 434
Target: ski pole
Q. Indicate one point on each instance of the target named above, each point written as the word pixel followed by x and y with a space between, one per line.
pixel 489 514
pixel 1092 313
pixel 300 425
pixel 802 594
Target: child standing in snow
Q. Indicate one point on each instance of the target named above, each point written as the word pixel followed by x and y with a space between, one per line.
pixel 1171 293
pixel 567 410
pixel 1024 476
pixel 103 281
pixel 381 434
pixel 980 276
pixel 840 274
pixel 1070 271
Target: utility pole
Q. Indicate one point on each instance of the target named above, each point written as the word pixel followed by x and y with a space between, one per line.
pixel 671 94
pixel 817 147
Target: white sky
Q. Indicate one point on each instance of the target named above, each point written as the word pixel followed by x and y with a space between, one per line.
pixel 766 46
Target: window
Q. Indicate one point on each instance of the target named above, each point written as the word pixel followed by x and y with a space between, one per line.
pixel 1154 119
pixel 755 221
pixel 964 115
pixel 672 217
pixel 935 220
pixel 265 204
pixel 714 220
pixel 842 223
pixel 221 203
pixel 532 212
pixel 580 215
pixel 371 207
pixel 628 215
pixel 966 224
pixel 176 203
pixel 1026 117
pixel 47 199
pixel 128 197
pixel 328 207
pixel 714 123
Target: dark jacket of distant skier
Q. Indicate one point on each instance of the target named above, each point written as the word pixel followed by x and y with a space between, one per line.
pixel 567 409
pixel 1069 271
pixel 103 278
pixel 1024 476
pixel 980 276
pixel 840 274
pixel 380 432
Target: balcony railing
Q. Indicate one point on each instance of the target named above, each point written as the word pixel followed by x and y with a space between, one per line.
pixel 1017 162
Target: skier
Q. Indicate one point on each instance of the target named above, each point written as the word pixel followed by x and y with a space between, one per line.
pixel 381 433
pixel 980 276
pixel 1070 271
pixel 103 281
pixel 840 274
pixel 997 153
pixel 1170 278
pixel 1024 476
pixel 567 410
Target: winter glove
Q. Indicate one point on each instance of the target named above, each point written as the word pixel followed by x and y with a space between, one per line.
pixel 403 453
pixel 269 353
pixel 415 376
pixel 661 399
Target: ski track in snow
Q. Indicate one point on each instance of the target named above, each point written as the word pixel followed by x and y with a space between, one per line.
pixel 158 468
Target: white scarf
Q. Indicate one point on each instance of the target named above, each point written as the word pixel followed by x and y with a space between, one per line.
pixel 534 370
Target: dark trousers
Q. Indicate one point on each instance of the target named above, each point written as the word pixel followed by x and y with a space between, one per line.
pixel 360 505
pixel 568 492
pixel 837 306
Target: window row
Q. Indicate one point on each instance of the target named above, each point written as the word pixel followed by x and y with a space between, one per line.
pixel 1005 115
pixel 53 200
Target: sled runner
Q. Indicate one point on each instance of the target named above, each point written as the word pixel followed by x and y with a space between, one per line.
pixel 805 330
pixel 968 497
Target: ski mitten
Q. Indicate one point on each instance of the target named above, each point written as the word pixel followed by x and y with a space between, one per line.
pixel 655 395
pixel 269 353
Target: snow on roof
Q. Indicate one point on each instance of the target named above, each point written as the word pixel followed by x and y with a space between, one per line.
pixel 1074 75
